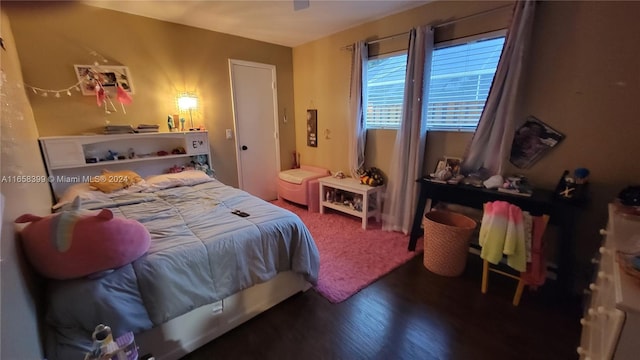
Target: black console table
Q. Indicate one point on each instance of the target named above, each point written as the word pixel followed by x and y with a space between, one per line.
pixel 561 214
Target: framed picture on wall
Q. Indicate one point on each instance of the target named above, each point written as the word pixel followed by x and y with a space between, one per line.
pixel 531 141
pixel 110 76
pixel 312 127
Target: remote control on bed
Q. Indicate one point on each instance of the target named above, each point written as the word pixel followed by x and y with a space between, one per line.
pixel 240 213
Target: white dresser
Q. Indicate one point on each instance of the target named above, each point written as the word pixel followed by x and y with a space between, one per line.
pixel 611 323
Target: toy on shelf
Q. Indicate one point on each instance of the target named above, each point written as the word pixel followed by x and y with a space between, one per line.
pixel 200 163
pixel 178 150
pixel 112 155
pixel 372 177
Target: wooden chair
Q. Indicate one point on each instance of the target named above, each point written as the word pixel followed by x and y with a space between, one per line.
pixel 520 288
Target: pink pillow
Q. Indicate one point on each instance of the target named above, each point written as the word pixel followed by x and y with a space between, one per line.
pixel 77 243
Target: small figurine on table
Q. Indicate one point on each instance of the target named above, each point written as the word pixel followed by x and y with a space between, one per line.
pixel 581 175
pixel 567 192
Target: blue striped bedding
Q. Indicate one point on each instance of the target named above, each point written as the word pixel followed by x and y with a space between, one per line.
pixel 200 253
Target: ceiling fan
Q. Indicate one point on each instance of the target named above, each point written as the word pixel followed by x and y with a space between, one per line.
pixel 300 4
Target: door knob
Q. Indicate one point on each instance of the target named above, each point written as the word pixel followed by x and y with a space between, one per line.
pixel 244 147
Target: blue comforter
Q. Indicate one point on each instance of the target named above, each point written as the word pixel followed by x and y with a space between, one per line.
pixel 200 253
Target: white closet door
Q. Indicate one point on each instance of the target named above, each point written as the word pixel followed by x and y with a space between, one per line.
pixel 253 88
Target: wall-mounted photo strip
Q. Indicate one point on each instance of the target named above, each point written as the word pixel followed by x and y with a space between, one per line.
pixel 110 76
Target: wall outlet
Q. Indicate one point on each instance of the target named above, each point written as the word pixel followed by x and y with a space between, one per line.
pixel 228 134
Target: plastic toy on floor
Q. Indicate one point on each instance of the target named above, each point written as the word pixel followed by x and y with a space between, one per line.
pixel 105 348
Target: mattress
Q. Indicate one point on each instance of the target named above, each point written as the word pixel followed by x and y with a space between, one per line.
pixel 200 253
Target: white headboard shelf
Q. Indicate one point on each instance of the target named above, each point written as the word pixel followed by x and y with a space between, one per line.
pixel 73 159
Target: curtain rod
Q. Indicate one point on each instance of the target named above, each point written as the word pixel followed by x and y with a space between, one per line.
pixel 435 26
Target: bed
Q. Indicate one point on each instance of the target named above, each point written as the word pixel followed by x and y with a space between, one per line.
pixel 206 271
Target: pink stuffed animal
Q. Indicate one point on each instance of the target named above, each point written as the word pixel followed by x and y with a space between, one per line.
pixel 77 242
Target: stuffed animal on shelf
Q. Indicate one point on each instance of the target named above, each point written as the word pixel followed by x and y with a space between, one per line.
pixel 112 155
pixel 200 162
pixel 372 177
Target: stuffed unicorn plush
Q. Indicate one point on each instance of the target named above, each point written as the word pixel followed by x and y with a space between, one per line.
pixel 76 242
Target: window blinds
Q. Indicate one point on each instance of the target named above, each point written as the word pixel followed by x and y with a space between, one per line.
pixel 461 77
pixel 385 86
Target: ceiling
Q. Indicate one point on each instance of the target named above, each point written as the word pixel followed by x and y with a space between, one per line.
pixel 273 21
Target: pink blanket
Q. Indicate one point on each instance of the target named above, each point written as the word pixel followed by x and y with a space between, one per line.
pixel 503 233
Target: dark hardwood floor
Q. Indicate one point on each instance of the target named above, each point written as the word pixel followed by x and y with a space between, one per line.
pixel 411 314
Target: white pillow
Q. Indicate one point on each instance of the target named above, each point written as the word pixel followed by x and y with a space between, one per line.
pixel 184 178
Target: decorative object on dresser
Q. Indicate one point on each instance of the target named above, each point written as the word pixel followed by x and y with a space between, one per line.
pixel 611 322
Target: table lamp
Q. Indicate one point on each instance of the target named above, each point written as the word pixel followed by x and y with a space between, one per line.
pixel 188 101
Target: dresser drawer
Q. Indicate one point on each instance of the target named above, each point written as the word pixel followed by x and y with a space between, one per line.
pixel 611 321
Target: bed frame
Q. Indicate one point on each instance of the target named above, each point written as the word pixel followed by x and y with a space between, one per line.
pixel 182 335
pixel 69 159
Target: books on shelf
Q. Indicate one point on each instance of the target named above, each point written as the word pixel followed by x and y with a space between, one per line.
pixel 146 128
pixel 118 129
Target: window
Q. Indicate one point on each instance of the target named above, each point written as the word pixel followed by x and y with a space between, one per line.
pixel 461 76
pixel 385 91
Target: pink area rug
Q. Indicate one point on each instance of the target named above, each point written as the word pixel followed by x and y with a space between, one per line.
pixel 350 257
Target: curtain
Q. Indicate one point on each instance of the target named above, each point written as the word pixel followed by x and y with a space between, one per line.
pixel 490 146
pixel 357 133
pixel 408 153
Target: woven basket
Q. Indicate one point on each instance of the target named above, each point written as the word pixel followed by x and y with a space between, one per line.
pixel 446 242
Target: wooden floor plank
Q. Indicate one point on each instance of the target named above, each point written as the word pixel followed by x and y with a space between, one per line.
pixel 411 314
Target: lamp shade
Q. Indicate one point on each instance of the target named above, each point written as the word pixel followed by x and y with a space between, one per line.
pixel 187 102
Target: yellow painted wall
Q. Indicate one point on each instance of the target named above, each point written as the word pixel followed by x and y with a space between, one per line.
pixel 164 59
pixel 581 77
pixel 21 300
pixel 322 72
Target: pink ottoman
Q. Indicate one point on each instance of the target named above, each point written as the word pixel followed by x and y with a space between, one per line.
pixel 301 186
